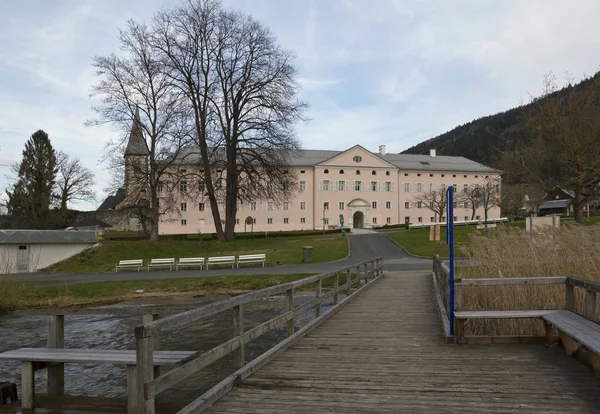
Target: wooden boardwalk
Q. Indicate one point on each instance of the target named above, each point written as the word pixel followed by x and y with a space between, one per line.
pixel 385 352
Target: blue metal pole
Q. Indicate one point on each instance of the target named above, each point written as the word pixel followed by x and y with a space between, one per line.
pixel 450 241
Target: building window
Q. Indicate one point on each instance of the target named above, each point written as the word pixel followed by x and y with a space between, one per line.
pixel 431 188
pixel 407 219
pixel 286 205
pixel 201 187
pixel 183 206
pixel 341 205
pixel 326 205
pixel 326 171
pixel 286 220
pixel 357 158
pixel 420 219
pixel 303 205
pixel 465 188
pixel 431 175
pixel 476 176
pixel 253 221
pixel 466 218
pixel 357 172
pixel 388 220
pixel 237 221
pixel 373 185
pixel 373 172
pixel 443 218
pixel 387 173
pixel 455 204
pixel 374 205
pixel 302 220
pixel 388 205
pixel 358 185
pixel 419 187
pixel 341 171
pixel 325 185
pixel 443 188
pixel 432 219
pixel 342 185
pixel 269 221
pixel 419 204
pixel 201 207
pixel 302 186
pixel 466 204
pixel 184 222
pixel 389 186
pixel 326 221
pixel 455 187
pixel 406 187
pixel 431 205
pixel 374 220
pixel 270 206
pixel 465 176
pixel 406 205
pixel 253 205
pixel 455 218
pixel 183 186
pixel 477 217
pixel 443 175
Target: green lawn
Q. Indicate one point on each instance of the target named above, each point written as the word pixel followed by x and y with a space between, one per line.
pixel 279 251
pixel 37 295
pixel 417 242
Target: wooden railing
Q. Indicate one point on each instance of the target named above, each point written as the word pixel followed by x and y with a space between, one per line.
pixel 150 385
pixel 441 283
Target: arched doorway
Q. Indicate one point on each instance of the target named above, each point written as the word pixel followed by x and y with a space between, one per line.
pixel 358 220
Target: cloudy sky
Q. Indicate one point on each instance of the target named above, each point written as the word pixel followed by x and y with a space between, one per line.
pixel 392 72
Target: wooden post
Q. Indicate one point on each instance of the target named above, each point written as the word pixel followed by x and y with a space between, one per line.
pixel 348 280
pixel 336 286
pixel 569 297
pixel 27 386
pixel 459 325
pixel 590 305
pixel 56 339
pixel 290 308
pixel 318 287
pixel 155 339
pixel 145 370
pixel 366 272
pixel 239 358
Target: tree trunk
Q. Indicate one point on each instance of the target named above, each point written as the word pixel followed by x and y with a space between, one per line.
pixel 578 205
pixel 230 202
pixel 473 211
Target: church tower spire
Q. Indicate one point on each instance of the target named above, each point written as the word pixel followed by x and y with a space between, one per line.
pixel 136 157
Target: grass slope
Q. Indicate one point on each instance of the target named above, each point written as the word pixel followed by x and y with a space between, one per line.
pixel 280 251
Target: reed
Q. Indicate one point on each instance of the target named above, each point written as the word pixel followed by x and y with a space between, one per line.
pixel 510 252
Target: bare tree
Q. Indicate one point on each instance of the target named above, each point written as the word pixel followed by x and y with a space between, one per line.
pixel 486 195
pixel 435 201
pixel 74 181
pixel 242 89
pixel 138 96
pixel 563 151
pixel 471 197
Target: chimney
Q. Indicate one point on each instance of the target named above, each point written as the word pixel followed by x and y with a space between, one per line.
pixel 382 150
pixel 432 152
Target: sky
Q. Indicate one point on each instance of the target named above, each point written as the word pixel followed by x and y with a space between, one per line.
pixel 393 72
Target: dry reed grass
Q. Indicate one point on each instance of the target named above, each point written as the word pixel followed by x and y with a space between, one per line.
pixel 12 291
pixel 510 252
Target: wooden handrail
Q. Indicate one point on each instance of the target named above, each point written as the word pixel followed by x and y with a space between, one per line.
pixel 507 281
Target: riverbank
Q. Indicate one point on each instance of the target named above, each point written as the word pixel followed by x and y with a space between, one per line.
pixel 38 295
pixel 279 251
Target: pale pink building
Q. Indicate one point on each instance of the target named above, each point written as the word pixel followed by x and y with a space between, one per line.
pixel 368 189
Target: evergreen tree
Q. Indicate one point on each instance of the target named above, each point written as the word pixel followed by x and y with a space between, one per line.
pixel 29 201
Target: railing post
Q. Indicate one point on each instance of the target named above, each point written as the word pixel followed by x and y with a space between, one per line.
pixel 348 280
pixel 590 305
pixel 336 287
pixel 569 296
pixel 459 324
pixel 318 287
pixel 145 369
pixel 155 338
pixel 239 358
pixel 56 339
pixel 290 308
pixel 366 272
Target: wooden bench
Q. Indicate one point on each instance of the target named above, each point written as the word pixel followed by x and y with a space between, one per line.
pixel 129 263
pixel 252 258
pixel 221 260
pixel 29 356
pixel 190 261
pixel 168 262
pixel 575 332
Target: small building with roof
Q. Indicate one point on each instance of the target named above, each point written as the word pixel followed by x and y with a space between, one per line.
pixel 558 201
pixel 31 250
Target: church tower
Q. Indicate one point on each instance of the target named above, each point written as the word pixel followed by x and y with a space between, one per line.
pixel 136 158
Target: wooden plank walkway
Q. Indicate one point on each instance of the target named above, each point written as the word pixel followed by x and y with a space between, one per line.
pixel 384 352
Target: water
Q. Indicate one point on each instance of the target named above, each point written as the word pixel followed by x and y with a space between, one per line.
pixel 116 332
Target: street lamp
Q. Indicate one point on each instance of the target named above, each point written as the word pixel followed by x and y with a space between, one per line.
pixel 480 192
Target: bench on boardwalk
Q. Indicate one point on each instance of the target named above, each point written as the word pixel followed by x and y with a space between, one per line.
pixel 129 263
pixel 190 261
pixel 226 260
pixel 575 332
pixel 37 358
pixel 166 262
pixel 252 258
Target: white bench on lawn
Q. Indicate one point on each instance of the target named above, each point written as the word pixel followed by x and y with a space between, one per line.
pixel 129 263
pixel 165 262
pixel 252 258
pixel 221 260
pixel 190 261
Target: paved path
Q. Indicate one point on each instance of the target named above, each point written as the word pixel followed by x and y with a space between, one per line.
pixel 384 352
pixel 362 247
